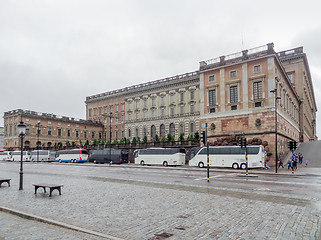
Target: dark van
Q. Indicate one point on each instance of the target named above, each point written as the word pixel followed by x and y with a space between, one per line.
pixel 109 155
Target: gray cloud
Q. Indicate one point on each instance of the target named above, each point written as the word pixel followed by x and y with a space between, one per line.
pixel 55 53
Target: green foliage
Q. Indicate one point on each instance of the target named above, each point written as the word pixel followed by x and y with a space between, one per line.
pixel 156 139
pixel 73 144
pixel 163 139
pixel 170 137
pixel 95 143
pixel 197 136
pixel 115 142
pixel 190 137
pixel 121 141
pixel 87 142
pixel 67 144
pixel 134 141
pixel 145 139
pixel 181 137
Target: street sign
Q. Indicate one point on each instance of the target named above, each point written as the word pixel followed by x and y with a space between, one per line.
pixel 204 125
pixel 293 156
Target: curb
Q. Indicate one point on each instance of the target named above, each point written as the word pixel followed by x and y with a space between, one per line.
pixel 56 223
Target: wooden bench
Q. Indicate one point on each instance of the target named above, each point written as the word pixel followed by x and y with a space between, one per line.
pixel 5 180
pixel 50 186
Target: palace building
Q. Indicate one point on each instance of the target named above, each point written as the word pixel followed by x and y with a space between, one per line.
pixel 249 94
pixel 232 94
pixel 47 130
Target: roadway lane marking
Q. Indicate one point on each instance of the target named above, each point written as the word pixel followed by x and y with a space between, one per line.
pixel 216 176
pixel 286 183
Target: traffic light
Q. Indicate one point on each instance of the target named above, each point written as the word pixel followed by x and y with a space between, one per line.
pixel 203 137
pixel 292 145
pixel 242 142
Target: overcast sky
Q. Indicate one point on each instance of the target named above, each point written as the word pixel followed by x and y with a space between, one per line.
pixel 54 53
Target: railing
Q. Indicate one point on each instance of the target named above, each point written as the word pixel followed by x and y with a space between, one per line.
pixel 46 115
pixel 236 57
pixel 133 87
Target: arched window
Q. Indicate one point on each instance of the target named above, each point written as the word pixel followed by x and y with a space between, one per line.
pixel 129 133
pixel 145 132
pixel 137 133
pixel 162 130
pixel 172 129
pixel 192 128
pixel 153 131
pixel 181 128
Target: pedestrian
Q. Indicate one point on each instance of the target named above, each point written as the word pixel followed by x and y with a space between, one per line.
pixel 306 162
pixel 289 164
pixel 300 158
pixel 295 164
pixel 265 164
pixel 280 163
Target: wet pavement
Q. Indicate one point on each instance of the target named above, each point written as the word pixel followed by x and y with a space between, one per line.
pixel 129 202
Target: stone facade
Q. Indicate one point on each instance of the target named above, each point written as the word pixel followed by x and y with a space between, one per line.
pixel 238 101
pixel 169 105
pixel 1 138
pixel 53 129
pixel 296 65
pixel 232 94
pixel 109 110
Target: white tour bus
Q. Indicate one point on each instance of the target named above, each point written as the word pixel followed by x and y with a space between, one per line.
pixel 228 156
pixel 43 156
pixel 5 156
pixel 160 156
pixel 16 156
pixel 73 155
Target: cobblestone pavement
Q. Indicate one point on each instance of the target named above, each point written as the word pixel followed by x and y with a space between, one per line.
pixel 137 210
pixel 13 227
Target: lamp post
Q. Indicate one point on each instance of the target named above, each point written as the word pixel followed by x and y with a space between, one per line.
pixel 38 133
pixel 110 117
pixel 276 128
pixel 22 132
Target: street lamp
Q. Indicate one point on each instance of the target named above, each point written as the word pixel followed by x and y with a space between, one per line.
pixel 110 117
pixel 21 132
pixel 38 143
pixel 276 128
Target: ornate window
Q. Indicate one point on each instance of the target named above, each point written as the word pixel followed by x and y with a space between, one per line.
pixel 153 131
pixel 172 129
pixel 233 94
pixel 212 97
pixel 162 130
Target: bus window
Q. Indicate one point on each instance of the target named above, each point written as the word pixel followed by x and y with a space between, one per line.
pixel 253 150
pixel 224 150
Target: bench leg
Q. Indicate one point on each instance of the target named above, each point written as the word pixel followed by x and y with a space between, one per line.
pixel 7 181
pixel 36 188
pixel 58 188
